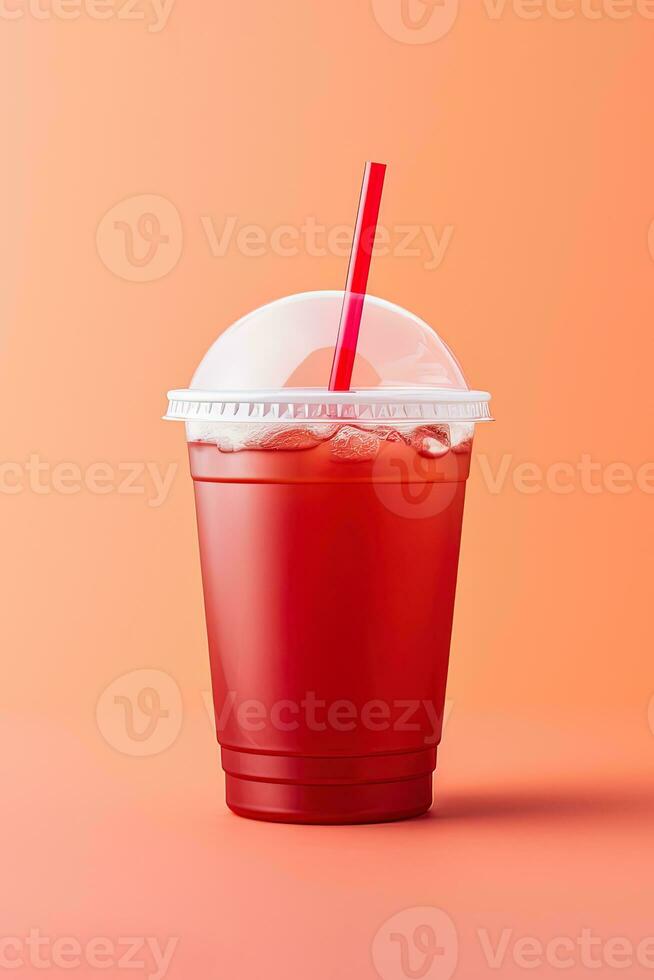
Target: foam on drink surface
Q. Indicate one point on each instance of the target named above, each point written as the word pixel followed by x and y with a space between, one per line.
pixel 345 441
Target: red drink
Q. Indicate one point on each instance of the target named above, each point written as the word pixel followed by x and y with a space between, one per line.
pixel 329 525
pixel 329 575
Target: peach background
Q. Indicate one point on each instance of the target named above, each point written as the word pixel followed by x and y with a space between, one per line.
pixel 531 138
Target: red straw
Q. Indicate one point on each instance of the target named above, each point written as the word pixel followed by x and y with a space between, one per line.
pixel 357 276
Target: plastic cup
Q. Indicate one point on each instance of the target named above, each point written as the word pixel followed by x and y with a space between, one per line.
pixel 329 527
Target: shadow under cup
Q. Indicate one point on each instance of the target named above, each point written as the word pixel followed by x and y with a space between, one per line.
pixel 329 583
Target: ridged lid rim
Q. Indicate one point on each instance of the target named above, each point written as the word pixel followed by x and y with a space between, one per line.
pixel 290 404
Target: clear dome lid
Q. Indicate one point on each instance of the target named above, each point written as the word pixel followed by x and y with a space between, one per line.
pixel 274 364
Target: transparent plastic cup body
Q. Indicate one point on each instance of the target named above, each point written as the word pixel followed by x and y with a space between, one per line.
pixel 329 535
